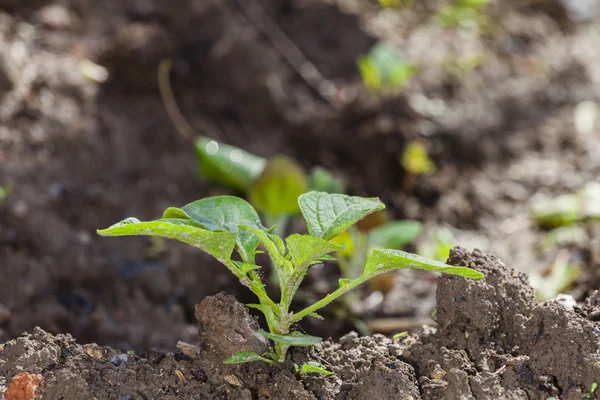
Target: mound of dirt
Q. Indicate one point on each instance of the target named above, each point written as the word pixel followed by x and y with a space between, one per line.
pixel 493 341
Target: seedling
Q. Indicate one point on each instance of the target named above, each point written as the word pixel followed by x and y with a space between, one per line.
pixel 591 392
pixel 415 161
pixel 397 3
pixel 4 192
pixel 568 209
pixel 223 225
pixel 466 14
pixel 384 69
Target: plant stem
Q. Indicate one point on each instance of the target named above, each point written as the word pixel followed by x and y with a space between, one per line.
pixel 330 297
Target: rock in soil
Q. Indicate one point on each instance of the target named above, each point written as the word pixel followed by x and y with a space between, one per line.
pixel 493 341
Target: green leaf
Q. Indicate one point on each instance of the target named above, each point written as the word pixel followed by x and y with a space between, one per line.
pixel 306 249
pixel 246 356
pixel 313 367
pixel 218 244
pixel 277 189
pixel 227 165
pixel 327 215
pixel 224 213
pixel 321 180
pixel 293 339
pixel 385 260
pixel 395 234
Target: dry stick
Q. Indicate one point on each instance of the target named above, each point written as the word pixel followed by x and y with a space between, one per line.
pixel 290 51
pixel 170 103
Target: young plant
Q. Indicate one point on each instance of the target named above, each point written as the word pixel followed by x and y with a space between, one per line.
pixel 384 70
pixel 468 14
pixel 223 225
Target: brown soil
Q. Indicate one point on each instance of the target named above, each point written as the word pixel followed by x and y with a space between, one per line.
pixel 493 342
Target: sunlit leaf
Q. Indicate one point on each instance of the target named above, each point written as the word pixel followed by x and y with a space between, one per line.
pixel 246 356
pixel 276 190
pixel 227 165
pixel 218 244
pixel 327 215
pixel 293 339
pixel 224 213
pixel 385 260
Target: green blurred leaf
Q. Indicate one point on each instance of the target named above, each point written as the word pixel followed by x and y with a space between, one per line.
pixel 227 165
pixel 218 244
pixel 293 339
pixel 277 189
pixel 384 68
pixel 224 213
pixel 4 192
pixel 395 234
pixel 385 260
pixel 313 367
pixel 327 215
pixel 321 180
pixel 415 159
pixel 246 356
pixel 306 249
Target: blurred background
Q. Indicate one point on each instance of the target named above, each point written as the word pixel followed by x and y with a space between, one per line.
pixel 475 121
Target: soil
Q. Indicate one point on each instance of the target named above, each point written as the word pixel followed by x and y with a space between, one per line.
pixel 80 155
pixel 493 341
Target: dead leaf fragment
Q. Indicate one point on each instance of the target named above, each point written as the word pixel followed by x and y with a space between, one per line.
pixel 233 380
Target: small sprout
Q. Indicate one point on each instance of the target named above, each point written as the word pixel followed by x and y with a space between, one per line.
pixel 415 159
pixel 223 225
pixel 384 69
pixel 4 192
pixel 466 14
pixel 567 209
pixel 591 392
pixel 312 367
pixel 93 72
pixel 399 335
pixel 397 3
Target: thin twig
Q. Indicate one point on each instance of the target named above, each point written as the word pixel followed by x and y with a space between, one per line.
pixel 391 325
pixel 290 51
pixel 168 98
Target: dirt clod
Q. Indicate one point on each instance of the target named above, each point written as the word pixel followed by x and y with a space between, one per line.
pixel 495 341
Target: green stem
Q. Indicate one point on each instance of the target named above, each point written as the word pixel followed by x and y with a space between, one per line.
pixel 255 287
pixel 330 297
